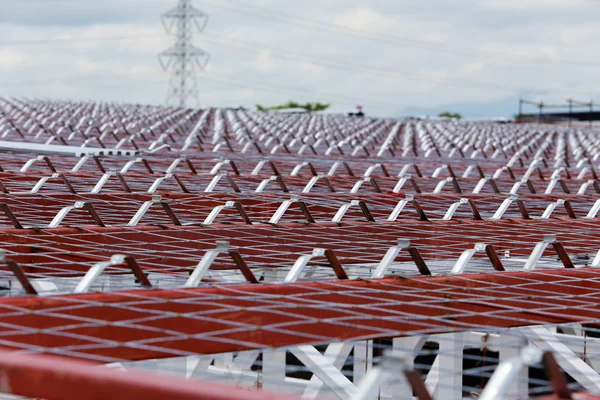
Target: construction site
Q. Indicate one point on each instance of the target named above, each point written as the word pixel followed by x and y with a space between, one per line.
pixel 188 251
pixel 316 256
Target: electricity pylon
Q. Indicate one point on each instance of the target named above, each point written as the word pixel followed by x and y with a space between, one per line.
pixel 183 60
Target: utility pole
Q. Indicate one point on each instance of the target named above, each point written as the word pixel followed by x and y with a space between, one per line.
pixel 183 59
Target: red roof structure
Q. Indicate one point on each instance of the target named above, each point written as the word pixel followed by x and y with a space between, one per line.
pixel 294 254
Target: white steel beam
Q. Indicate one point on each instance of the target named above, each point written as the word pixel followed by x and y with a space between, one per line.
pixel 324 369
pixel 566 358
pixel 337 354
pixel 363 359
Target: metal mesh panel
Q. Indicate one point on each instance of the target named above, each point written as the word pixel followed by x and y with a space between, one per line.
pixel 313 255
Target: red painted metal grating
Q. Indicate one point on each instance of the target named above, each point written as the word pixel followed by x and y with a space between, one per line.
pixel 278 188
pixel 147 324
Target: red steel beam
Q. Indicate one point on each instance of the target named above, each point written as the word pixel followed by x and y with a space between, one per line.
pixel 54 378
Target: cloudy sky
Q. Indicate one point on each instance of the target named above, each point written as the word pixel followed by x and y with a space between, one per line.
pixel 392 56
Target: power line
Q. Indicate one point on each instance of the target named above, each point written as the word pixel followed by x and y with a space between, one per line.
pixel 283 17
pixel 76 40
pixel 332 64
pixel 241 44
pixel 345 65
pixel 222 79
pixel 219 79
pixel 269 86
pixel 380 38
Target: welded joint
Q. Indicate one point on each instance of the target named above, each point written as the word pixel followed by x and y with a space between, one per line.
pixel 30 162
pixel 36 188
pixel 403 180
pixel 556 174
pixel 97 269
pixel 403 172
pixel 220 165
pixel 176 163
pixel 439 170
pixel 299 167
pixel 517 186
pixel 313 182
pixel 158 181
pixel 261 164
pixel 553 183
pixel 466 256
pixel 294 273
pixel 131 163
pixel 470 169
pixel 221 247
pixel 60 216
pixel 479 187
pixel 560 202
pixel 392 254
pixel 80 164
pixel 539 249
pixel 504 206
pixel 454 207
pixel 275 178
pixel 344 209
pixel 217 178
pixel 409 198
pixel 102 181
pixel 285 205
pixel 143 210
pixel 228 205
pixel 370 180
pixel 336 166
pixel 440 186
pixel 372 168
pixel 477 152
pixel 502 170
pixel 585 185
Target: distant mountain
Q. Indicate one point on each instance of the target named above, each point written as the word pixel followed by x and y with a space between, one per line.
pixel 503 108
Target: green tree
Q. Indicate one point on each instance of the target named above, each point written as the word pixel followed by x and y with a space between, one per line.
pixel 447 114
pixel 309 107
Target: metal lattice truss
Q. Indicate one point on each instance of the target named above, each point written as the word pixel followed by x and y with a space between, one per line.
pixel 183 60
pixel 315 255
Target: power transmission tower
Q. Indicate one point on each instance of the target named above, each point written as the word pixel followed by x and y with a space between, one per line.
pixel 183 59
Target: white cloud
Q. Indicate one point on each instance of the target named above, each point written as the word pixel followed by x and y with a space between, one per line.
pixel 363 18
pixel 446 52
pixel 265 62
pixel 311 68
pixel 10 59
